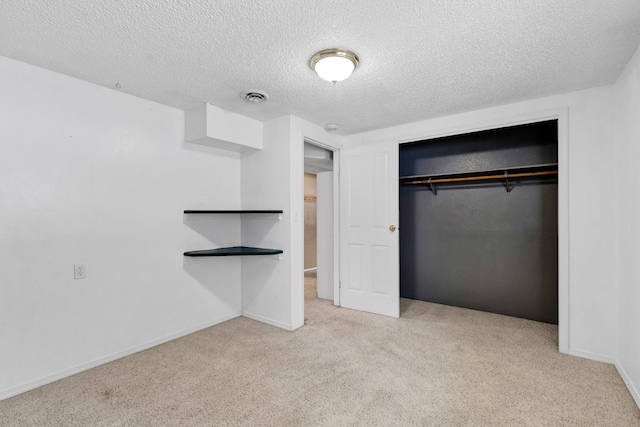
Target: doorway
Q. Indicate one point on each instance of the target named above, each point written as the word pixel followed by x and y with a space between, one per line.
pixel 319 236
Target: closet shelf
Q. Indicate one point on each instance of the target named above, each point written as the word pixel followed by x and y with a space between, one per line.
pixel 234 251
pixel 538 170
pixel 188 211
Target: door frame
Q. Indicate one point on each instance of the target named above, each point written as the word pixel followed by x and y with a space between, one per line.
pixel 562 117
pixel 336 213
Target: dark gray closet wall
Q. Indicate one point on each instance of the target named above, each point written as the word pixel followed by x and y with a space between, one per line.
pixel 475 245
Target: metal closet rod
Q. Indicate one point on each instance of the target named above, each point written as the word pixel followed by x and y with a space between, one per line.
pixel 481 177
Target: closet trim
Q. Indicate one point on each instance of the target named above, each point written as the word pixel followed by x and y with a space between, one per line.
pixel 562 116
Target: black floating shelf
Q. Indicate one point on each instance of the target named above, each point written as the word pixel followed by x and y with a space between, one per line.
pixel 234 251
pixel 233 212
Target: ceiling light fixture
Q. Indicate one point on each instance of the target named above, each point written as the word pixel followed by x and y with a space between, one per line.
pixel 334 64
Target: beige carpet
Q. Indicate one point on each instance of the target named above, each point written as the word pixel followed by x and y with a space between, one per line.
pixel 435 366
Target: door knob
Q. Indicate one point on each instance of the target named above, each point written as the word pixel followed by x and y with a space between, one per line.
pixel 392 228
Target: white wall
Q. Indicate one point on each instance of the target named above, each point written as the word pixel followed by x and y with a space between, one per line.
pixel 91 175
pixel 266 184
pixel 592 298
pixel 627 120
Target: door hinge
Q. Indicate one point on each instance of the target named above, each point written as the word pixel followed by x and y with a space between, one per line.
pixel 339 284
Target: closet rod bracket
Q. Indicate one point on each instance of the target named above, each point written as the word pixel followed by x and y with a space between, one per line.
pixel 432 187
pixel 506 182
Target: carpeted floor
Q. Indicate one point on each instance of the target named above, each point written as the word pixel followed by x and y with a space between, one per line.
pixel 435 366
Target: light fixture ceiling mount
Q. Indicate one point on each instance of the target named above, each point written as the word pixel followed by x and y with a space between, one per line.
pixel 334 64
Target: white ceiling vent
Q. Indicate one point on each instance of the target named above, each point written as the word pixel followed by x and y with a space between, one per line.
pixel 254 96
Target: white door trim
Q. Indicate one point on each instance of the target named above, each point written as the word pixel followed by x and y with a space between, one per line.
pixel 336 228
pixel 336 214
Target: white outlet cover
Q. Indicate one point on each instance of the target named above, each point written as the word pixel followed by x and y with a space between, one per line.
pixel 79 271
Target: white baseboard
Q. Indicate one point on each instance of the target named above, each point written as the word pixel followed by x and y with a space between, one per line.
pixel 297 325
pixel 13 391
pixel 627 381
pixel 613 361
pixel 592 356
pixel 268 321
pixel 310 269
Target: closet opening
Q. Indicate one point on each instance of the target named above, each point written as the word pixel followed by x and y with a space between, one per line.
pixel 319 224
pixel 479 220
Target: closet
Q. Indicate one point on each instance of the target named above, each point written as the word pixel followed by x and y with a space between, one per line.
pixel 479 221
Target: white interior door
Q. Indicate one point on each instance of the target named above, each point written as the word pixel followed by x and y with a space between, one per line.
pixel 369 254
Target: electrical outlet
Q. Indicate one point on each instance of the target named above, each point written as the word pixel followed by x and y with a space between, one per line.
pixel 79 271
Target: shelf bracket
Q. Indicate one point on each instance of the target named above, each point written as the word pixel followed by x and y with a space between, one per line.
pixel 506 182
pixel 432 187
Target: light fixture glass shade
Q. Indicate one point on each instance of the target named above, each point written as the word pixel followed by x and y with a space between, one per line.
pixel 334 69
pixel 334 65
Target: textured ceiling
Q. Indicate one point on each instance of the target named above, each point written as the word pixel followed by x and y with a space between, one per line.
pixel 419 58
